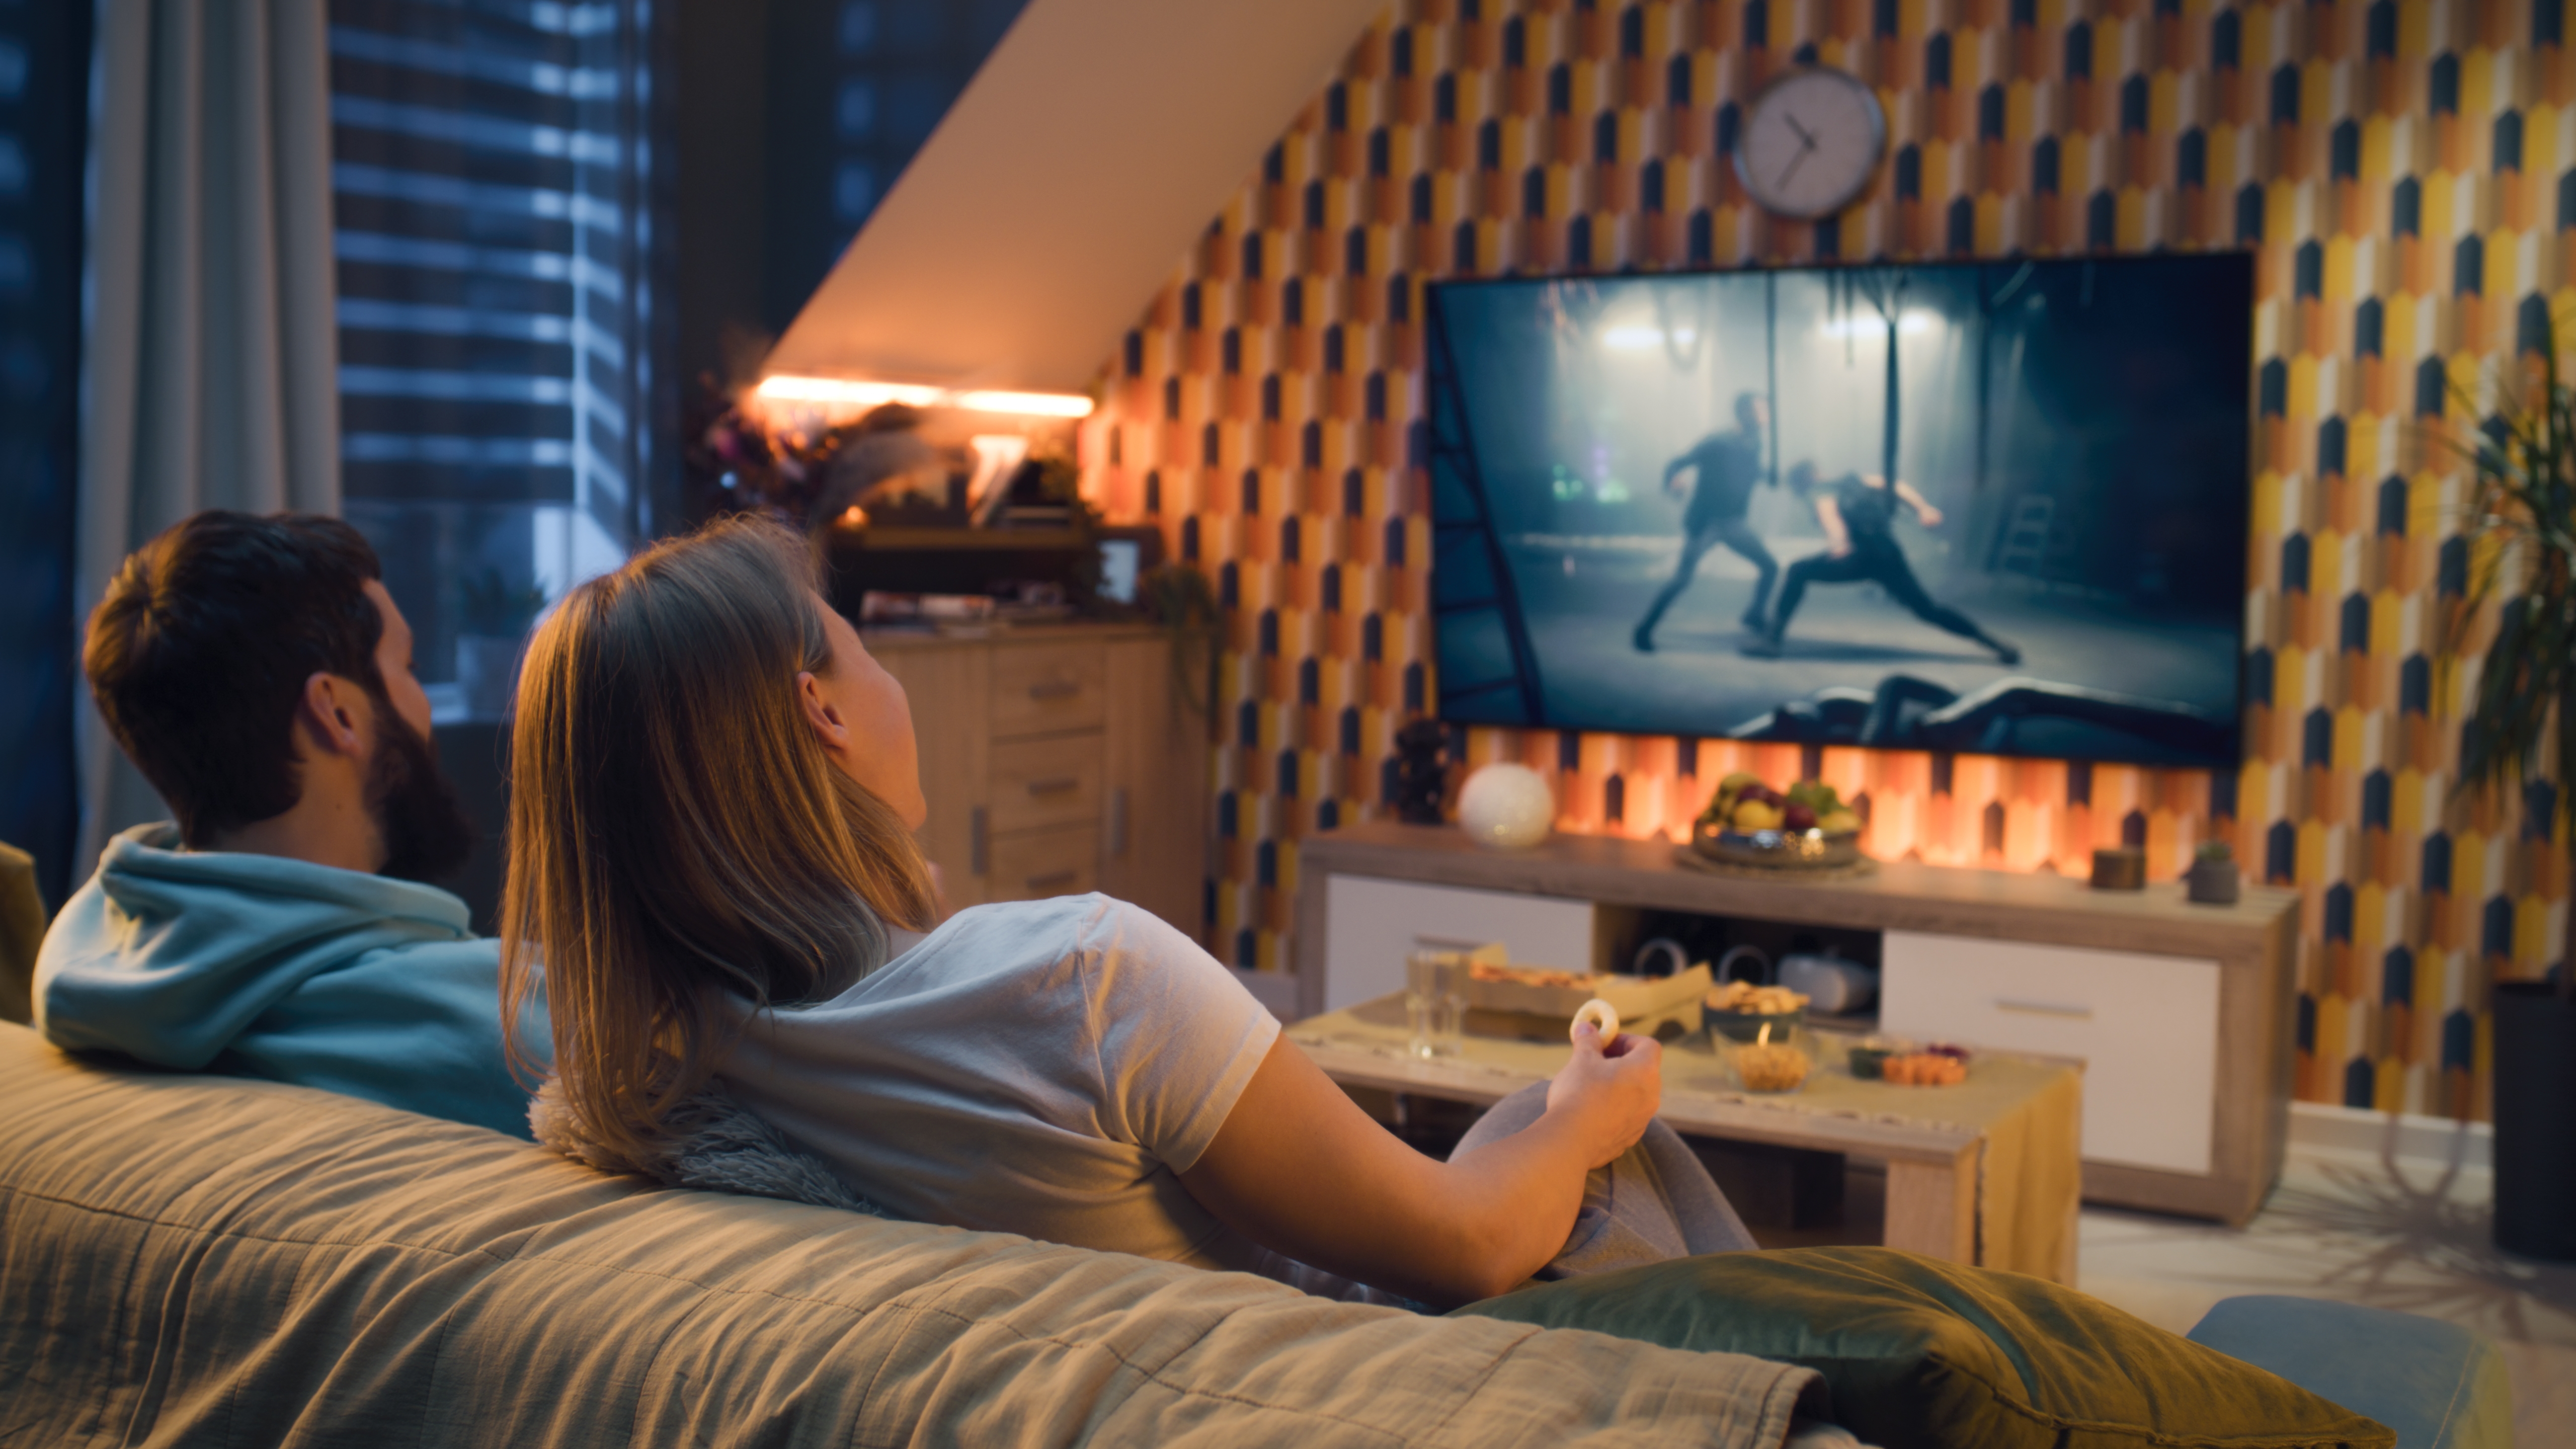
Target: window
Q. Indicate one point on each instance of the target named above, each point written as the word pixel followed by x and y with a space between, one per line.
pixel 44 105
pixel 900 65
pixel 491 165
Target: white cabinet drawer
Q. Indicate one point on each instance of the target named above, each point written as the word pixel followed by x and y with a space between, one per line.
pixel 2145 1026
pixel 1376 923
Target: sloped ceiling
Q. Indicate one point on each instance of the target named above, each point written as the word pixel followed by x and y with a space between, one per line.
pixel 1060 190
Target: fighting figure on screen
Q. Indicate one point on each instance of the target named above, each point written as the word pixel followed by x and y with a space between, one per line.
pixel 1726 465
pixel 1858 514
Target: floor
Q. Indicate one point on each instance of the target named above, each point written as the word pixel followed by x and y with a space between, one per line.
pixel 2361 1226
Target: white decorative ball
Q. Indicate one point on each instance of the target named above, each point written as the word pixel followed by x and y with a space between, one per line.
pixel 1506 807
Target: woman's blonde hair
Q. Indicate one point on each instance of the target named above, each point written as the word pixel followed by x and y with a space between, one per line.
pixel 677 835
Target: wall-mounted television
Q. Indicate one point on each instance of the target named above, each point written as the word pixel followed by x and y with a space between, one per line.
pixel 1995 507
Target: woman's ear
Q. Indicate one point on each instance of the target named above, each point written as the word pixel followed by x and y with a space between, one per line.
pixel 829 727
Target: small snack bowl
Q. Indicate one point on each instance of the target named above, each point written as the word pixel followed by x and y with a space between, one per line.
pixel 1903 1064
pixel 1867 1053
pixel 1739 1011
pixel 1778 1060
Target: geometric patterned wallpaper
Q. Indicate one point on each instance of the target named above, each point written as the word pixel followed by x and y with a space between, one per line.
pixel 2405 172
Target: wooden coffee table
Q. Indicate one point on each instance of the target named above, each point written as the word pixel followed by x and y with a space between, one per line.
pixel 1987 1172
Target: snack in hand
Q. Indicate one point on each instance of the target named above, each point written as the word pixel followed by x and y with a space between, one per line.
pixel 1601 1014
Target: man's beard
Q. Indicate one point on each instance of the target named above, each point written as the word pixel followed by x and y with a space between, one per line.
pixel 426 833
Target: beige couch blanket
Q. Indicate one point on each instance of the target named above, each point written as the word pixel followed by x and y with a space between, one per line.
pixel 201 1260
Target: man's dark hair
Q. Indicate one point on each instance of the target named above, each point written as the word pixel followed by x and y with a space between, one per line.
pixel 200 650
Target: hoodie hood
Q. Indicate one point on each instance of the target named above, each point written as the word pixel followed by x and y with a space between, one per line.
pixel 264 966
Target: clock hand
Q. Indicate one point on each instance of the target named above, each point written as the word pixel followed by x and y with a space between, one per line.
pixel 1804 138
pixel 1791 169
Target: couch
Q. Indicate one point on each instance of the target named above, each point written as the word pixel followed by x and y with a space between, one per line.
pixel 211 1260
pixel 189 1259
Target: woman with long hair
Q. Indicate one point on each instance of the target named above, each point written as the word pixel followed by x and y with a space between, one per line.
pixel 713 883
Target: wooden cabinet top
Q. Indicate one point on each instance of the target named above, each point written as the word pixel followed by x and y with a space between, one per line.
pixel 883 639
pixel 1899 895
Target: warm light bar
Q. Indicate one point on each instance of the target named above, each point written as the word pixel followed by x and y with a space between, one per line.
pixel 785 388
pixel 833 390
pixel 1041 404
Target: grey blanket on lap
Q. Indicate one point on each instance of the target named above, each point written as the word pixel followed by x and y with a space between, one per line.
pixel 1651 1204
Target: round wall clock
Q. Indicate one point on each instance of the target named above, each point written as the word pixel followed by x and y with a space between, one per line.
pixel 1810 143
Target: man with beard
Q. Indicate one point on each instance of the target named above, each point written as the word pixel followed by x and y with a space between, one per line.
pixel 1726 466
pixel 258 674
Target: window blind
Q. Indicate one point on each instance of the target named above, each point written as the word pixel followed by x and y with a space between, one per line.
pixel 492 175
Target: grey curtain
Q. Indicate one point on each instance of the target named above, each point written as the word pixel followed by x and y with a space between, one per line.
pixel 211 360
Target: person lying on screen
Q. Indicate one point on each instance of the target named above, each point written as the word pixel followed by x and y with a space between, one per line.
pixel 258 674
pixel 711 855
pixel 1724 468
pixel 1858 513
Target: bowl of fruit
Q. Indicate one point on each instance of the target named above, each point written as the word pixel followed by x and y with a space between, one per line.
pixel 1805 827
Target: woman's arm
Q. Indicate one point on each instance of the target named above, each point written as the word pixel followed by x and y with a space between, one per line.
pixel 1301 1170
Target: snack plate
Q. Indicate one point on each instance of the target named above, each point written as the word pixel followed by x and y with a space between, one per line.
pixel 1777 849
pixel 1634 997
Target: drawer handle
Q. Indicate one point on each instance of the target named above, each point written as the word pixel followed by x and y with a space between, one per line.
pixel 1054 689
pixel 1054 786
pixel 1118 822
pixel 1052 879
pixel 2045 1008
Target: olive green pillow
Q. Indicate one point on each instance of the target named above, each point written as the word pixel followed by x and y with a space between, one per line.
pixel 1920 1353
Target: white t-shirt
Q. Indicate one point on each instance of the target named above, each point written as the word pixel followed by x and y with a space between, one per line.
pixel 1044 1068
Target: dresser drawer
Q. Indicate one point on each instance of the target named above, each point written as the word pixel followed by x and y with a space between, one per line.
pixel 2146 1028
pixel 1042 688
pixel 1035 864
pixel 1047 781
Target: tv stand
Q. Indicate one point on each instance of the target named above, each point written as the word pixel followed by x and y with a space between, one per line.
pixel 2183 1013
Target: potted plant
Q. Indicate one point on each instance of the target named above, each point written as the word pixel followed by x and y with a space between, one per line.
pixel 2521 730
pixel 2212 880
pixel 492 632
pixel 1177 596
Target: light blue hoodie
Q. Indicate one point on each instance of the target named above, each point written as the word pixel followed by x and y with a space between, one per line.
pixel 261 966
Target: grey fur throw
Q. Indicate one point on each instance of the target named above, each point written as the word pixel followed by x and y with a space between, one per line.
pixel 717 1145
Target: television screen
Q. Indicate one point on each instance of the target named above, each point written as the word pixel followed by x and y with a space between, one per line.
pixel 1993 507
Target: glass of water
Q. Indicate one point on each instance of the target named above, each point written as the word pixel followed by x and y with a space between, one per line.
pixel 1435 1002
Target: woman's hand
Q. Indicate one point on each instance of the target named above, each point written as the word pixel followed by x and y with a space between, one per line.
pixel 1608 1094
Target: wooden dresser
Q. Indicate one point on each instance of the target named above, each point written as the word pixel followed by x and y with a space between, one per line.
pixel 1058 759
